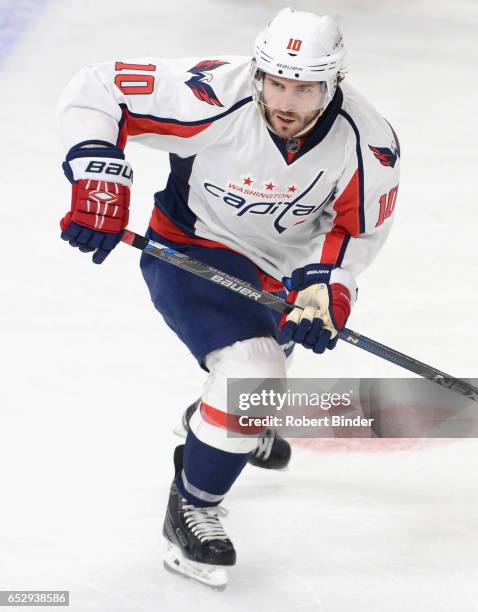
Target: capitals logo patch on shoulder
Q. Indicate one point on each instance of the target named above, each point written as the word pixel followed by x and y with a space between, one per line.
pixel 199 82
pixel 386 156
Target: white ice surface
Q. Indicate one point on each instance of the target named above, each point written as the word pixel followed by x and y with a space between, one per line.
pixel 92 381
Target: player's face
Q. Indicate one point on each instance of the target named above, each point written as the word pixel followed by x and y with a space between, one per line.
pixel 291 105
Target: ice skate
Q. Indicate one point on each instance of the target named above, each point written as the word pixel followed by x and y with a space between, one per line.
pixel 198 547
pixel 273 451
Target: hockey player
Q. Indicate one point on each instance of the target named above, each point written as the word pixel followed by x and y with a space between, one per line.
pixel 280 174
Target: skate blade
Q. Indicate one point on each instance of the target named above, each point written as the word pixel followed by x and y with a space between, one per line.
pixel 213 576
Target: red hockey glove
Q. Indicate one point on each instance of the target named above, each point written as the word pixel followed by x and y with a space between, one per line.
pixel 101 181
pixel 326 305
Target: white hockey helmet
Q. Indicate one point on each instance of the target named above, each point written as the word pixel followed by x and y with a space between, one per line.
pixel 300 46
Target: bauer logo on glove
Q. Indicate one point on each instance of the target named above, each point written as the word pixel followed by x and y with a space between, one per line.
pixel 101 181
pixel 95 166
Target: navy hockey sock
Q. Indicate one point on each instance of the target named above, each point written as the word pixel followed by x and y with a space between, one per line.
pixel 208 473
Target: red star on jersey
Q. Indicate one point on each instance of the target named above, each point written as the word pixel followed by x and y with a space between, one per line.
pixel 269 186
pixel 292 188
pixel 248 181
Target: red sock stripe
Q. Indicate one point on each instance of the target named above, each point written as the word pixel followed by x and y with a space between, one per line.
pixel 228 421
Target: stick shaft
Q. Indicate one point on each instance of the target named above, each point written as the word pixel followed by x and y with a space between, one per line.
pixel 232 283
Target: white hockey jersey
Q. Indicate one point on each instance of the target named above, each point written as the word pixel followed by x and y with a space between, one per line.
pixel 232 180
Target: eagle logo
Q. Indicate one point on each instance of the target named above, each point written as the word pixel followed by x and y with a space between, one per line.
pixel 198 83
pixel 386 156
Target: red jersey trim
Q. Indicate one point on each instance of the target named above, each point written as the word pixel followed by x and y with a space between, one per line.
pixel 333 245
pixel 134 126
pixel 346 222
pixel 347 207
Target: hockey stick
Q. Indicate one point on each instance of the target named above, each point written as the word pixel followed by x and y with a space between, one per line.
pixel 273 302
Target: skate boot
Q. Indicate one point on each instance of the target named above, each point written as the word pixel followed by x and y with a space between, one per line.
pixel 198 546
pixel 272 452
